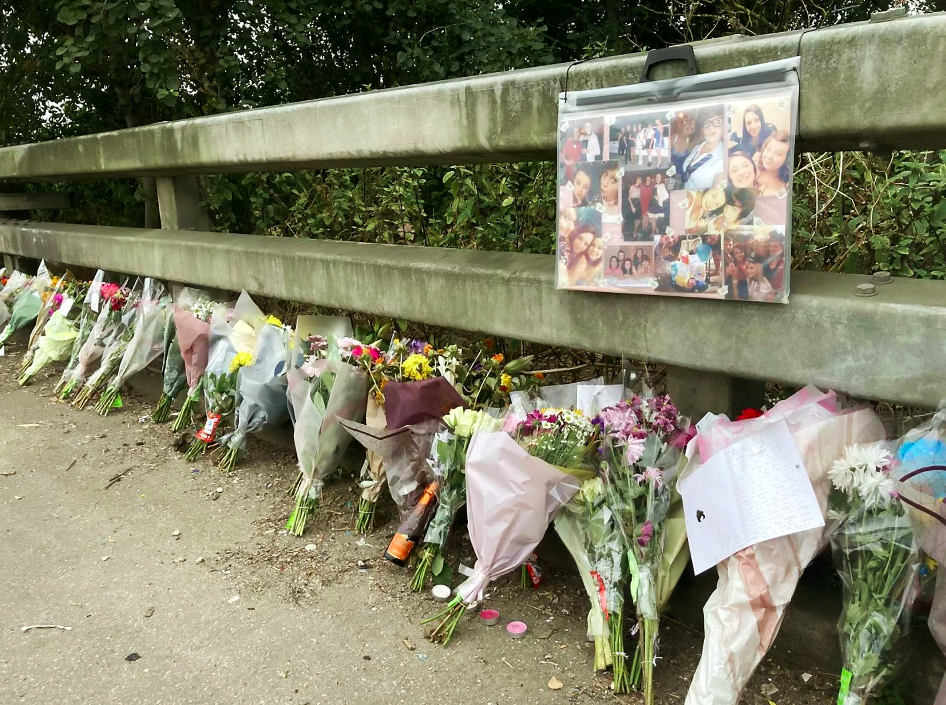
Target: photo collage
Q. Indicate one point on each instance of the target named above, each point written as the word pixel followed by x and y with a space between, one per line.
pixel 688 201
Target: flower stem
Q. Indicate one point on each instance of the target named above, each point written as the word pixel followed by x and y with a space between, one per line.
pixel 162 412
pixel 186 415
pixel 195 449
pixel 449 619
pixel 649 640
pixel 365 521
pixel 622 682
pixel 105 402
pixel 419 581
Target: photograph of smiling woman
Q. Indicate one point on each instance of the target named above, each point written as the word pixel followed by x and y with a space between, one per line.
pixel 703 167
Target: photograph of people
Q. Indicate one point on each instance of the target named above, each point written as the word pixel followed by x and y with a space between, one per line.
pixel 703 166
pixel 755 130
pixel 758 287
pixel 614 267
pixel 736 276
pixel 633 212
pixel 742 172
pixel 567 221
pixel 574 194
pixel 658 211
pixel 771 161
pixel 571 154
pixel 755 263
pixel 609 191
pixel 683 137
pixel 591 143
pixel 574 258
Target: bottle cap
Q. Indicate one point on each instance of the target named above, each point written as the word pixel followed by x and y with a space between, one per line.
pixel 489 617
pixel 441 593
pixel 516 630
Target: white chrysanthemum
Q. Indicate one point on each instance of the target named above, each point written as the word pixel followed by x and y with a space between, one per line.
pixel 841 475
pixel 876 489
pixel 873 457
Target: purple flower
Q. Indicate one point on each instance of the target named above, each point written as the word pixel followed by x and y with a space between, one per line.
pixel 416 346
pixel 620 419
pixel 647 533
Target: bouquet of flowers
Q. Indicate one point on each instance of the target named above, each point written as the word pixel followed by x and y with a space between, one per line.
pixel 920 470
pixel 260 392
pixel 145 344
pixel 114 346
pixel 12 286
pixel 588 530
pixel 448 461
pixel 59 290
pixel 58 337
pixel 515 485
pixel 173 374
pixel 192 311
pixel 742 617
pixel 233 338
pixel 878 562
pixel 408 361
pixel 106 304
pixel 323 393
pixel 643 440
pixel 28 303
pixel 413 411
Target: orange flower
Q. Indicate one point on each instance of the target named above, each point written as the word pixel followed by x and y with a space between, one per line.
pixel 539 376
pixel 498 358
pixel 428 348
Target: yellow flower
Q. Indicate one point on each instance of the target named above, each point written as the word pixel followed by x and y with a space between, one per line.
pixel 505 382
pixel 273 321
pixel 416 367
pixel 242 359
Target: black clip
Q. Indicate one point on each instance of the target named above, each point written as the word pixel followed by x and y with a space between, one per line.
pixel 683 52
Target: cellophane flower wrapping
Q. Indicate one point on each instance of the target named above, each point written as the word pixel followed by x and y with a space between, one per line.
pixel 28 303
pixel 374 474
pixel 232 331
pixel 878 561
pixel 327 392
pixel 15 284
pixel 516 486
pixel 54 344
pixel 105 318
pixel 587 528
pixel 413 412
pixel 192 312
pixel 146 340
pixel 642 446
pixel 743 615
pixel 123 306
pixel 261 390
pixel 52 298
pixel 920 469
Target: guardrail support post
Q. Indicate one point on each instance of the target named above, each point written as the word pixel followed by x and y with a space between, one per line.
pixel 179 204
pixel 695 392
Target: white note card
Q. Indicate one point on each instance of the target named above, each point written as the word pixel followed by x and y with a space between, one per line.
pixel 592 398
pixel 754 490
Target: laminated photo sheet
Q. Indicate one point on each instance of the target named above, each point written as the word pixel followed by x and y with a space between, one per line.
pixel 680 187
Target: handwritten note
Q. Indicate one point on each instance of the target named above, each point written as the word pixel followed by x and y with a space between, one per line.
pixel 754 490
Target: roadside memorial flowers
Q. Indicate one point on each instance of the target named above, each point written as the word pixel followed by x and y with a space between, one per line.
pixel 28 303
pixel 145 345
pixel 192 311
pixel 173 374
pixel 642 444
pixel 322 392
pixel 124 304
pixel 515 486
pixel 448 461
pixel 61 290
pixel 878 561
pixel 260 392
pixel 742 617
pixel 232 342
pixel 920 472
pixel 56 342
pixel 109 300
